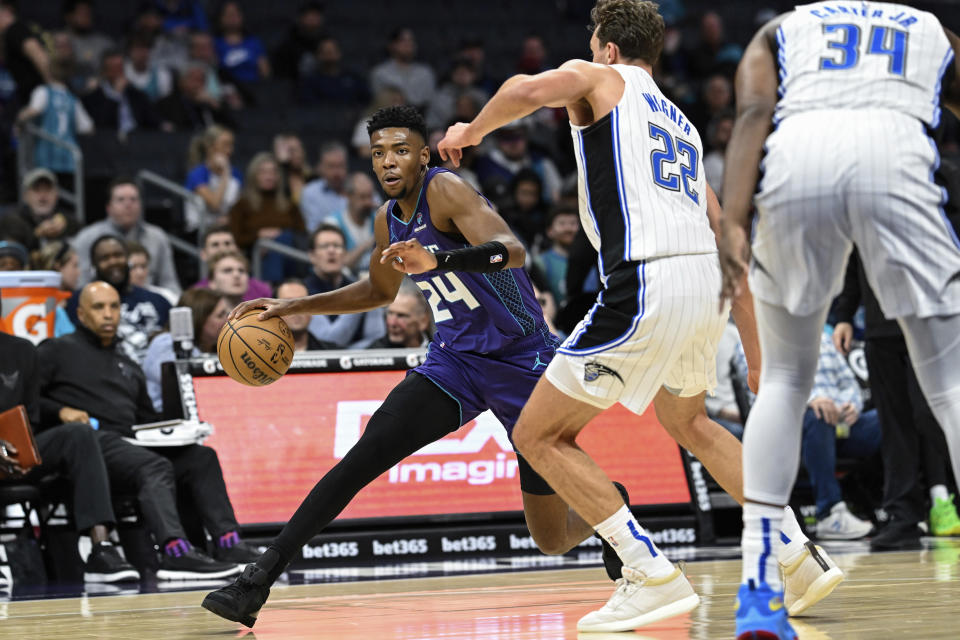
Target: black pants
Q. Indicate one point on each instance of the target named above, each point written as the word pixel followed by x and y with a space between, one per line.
pixel 913 441
pixel 71 450
pixel 416 413
pixel 155 475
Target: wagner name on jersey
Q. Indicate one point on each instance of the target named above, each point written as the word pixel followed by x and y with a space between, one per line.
pixel 641 183
pixel 857 55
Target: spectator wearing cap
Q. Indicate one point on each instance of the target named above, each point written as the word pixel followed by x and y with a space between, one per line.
pixel 116 104
pixel 125 220
pixel 497 169
pixel 462 82
pixel 39 216
pixel 416 80
pixel 218 240
pixel 13 256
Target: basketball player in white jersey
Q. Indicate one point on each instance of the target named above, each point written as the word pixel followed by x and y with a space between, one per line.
pixel 653 333
pixel 835 101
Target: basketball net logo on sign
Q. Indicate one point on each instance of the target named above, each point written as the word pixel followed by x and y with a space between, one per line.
pixel 486 427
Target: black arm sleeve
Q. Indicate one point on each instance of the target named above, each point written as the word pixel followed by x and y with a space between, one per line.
pixel 850 296
pixel 483 258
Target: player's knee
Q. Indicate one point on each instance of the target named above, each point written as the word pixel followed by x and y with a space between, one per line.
pixel 526 440
pixel 551 543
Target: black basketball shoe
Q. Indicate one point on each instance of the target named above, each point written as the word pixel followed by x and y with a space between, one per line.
pixel 105 564
pixel 611 561
pixel 242 600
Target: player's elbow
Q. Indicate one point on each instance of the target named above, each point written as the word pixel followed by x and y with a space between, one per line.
pixel 517 254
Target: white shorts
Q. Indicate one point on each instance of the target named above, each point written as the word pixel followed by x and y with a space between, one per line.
pixel 656 324
pixel 832 179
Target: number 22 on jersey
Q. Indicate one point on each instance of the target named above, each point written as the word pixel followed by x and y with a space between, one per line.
pixel 435 290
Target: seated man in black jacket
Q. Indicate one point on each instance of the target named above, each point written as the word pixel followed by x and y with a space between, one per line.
pixel 70 449
pixel 84 379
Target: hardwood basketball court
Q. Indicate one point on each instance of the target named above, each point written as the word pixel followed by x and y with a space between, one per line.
pixel 891 595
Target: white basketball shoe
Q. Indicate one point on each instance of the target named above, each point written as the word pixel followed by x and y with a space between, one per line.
pixel 639 601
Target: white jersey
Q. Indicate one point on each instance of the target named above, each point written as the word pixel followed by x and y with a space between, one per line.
pixel 861 55
pixel 643 193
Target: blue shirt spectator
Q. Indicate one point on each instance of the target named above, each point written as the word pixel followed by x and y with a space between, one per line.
pixel 181 15
pixel 240 60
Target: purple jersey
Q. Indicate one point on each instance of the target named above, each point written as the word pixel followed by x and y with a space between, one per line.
pixel 475 312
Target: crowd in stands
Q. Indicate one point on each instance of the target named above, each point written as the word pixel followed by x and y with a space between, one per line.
pixel 261 181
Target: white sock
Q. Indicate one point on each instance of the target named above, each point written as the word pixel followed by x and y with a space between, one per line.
pixel 760 544
pixel 633 545
pixel 938 492
pixel 791 537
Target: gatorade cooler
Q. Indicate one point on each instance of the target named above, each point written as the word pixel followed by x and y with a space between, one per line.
pixel 28 303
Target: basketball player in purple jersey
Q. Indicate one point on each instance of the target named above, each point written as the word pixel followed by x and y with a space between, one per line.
pixel 490 347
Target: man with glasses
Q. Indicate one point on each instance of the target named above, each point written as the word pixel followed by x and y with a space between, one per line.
pixel 354 330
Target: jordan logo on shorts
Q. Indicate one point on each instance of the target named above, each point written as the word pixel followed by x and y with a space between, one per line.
pixel 593 370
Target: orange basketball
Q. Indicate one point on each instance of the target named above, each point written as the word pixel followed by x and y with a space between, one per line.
pixel 255 352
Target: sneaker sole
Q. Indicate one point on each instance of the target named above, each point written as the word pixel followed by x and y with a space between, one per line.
pixel 677 608
pixel 215 607
pixel 817 591
pixel 762 635
pixel 167 574
pixel 120 576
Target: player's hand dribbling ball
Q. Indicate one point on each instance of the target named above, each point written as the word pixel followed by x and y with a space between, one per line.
pixel 255 352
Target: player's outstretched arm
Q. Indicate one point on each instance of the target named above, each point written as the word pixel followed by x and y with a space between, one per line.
pixel 756 92
pixel 521 95
pixel 456 208
pixel 951 81
pixel 379 288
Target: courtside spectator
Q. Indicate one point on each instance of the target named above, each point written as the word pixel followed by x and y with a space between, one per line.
pixel 325 196
pixel 39 213
pixel 353 330
pixel 303 340
pixel 356 221
pixel 220 239
pixel 115 104
pixel 24 53
pixel 212 177
pixel 209 310
pixel 139 263
pixel 154 79
pixel 296 50
pixel 125 219
pixel 416 80
pixel 408 321
pixel 70 450
pixel 240 54
pixel 88 43
pixel 83 377
pixel 143 313
pixel 562 228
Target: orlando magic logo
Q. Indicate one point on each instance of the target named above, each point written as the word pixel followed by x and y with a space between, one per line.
pixel 593 370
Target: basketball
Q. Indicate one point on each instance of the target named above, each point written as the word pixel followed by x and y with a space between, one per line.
pixel 255 352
